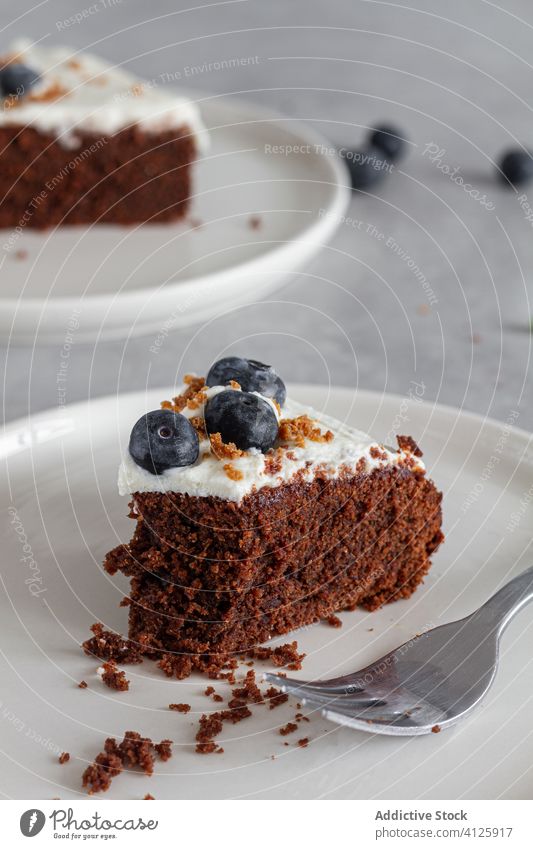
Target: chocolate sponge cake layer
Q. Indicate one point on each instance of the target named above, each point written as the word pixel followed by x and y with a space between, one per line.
pixel 211 576
pixel 127 178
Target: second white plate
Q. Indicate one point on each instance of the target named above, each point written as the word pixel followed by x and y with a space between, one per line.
pixel 112 281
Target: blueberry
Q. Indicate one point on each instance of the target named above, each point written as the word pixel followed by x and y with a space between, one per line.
pixel 389 140
pixel 367 167
pixel 162 440
pixel 251 375
pixel 516 167
pixel 17 80
pixel 242 418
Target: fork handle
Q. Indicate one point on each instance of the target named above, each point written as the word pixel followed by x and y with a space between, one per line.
pixel 505 604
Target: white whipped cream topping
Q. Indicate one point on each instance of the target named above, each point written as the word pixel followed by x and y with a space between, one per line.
pixel 207 476
pixel 98 98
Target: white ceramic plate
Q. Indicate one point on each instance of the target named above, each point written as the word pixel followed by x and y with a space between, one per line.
pixel 60 499
pixel 119 281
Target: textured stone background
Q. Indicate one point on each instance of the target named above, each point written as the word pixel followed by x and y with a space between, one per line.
pixel 457 75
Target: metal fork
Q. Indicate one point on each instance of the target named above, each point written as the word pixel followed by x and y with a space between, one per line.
pixel 426 684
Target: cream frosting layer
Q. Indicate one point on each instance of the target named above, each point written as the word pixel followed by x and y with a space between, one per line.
pixel 208 477
pixel 79 92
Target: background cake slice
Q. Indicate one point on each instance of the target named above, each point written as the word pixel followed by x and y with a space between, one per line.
pixel 83 141
pixel 245 542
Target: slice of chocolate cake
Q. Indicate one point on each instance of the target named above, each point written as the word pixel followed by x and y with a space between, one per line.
pixel 255 516
pixel 83 141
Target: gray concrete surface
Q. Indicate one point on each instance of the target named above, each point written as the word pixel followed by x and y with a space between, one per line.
pixel 449 306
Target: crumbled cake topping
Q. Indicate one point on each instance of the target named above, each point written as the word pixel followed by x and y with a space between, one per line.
pixel 308 446
pixel 63 102
pixel 195 386
pixel 301 428
pixel 274 461
pixel 407 444
pixel 224 450
pixel 198 423
pixel 233 473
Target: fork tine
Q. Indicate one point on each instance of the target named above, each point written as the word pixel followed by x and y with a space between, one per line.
pixel 409 714
pixel 379 724
pixel 357 701
pixel 314 687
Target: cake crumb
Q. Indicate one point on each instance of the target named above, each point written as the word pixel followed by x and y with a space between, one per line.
pixel 164 749
pixel 436 729
pixel 255 222
pixel 276 697
pixel 274 461
pixel 197 400
pixel 334 622
pixel 198 423
pixel 299 429
pixel 285 655
pixel 194 385
pixel 224 450
pixel 82 685
pixel 249 692
pixel 304 742
pixel 64 757
pixel 208 748
pixel 299 717
pixel 54 92
pixel 407 443
pixel 148 796
pixel 211 725
pixel 134 750
pixel 107 645
pixel 233 473
pixel 181 707
pixel 113 677
pixel 288 729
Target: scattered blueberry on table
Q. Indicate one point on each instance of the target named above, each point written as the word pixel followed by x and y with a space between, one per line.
pixel 367 167
pixel 251 375
pixel 242 418
pixel 163 440
pixel 389 140
pixel 516 167
pixel 16 80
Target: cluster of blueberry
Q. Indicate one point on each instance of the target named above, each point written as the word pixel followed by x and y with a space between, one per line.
pixel 16 80
pixel 163 439
pixel 369 165
pixel 386 145
pixel 516 167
